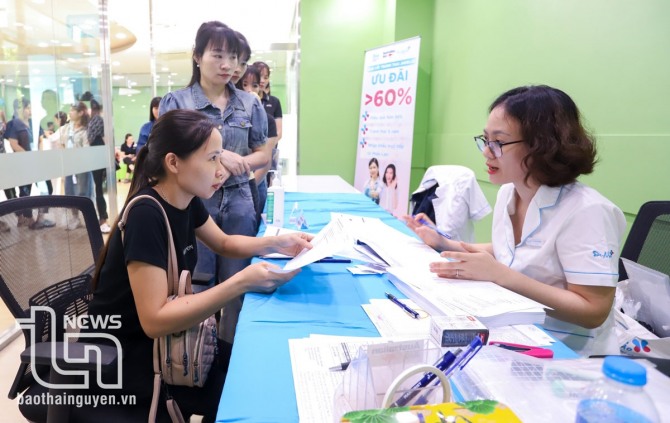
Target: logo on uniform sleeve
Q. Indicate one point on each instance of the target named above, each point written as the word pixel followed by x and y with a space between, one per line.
pixel 187 249
pixel 604 254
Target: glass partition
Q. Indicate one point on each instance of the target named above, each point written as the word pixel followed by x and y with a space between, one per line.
pixel 50 59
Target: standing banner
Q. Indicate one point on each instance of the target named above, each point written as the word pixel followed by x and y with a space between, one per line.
pixel 386 124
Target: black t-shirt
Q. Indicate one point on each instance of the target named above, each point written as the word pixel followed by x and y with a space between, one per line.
pixel 272 106
pixel 145 241
pixel 272 126
pixel 128 149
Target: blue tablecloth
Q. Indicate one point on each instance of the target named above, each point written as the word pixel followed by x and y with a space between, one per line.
pixel 324 299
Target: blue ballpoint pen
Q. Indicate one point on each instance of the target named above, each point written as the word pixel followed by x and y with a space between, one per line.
pixel 462 359
pixel 424 222
pixel 397 302
pixel 465 357
pixel 442 364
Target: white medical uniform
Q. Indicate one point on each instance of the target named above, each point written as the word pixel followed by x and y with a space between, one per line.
pixel 570 234
pixel 459 200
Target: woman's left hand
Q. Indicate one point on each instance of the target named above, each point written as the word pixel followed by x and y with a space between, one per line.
pixel 473 264
pixel 292 244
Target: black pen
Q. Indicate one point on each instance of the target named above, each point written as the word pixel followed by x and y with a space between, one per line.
pixel 323 260
pixel 397 302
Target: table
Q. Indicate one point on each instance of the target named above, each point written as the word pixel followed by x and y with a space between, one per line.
pixel 316 184
pixel 324 298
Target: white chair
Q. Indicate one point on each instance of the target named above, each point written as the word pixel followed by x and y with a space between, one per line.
pixel 457 200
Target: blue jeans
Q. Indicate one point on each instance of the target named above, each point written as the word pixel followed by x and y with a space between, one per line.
pixel 233 211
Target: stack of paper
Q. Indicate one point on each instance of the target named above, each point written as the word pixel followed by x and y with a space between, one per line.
pixel 492 304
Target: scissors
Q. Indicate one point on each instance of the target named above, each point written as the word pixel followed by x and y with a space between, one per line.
pixel 525 349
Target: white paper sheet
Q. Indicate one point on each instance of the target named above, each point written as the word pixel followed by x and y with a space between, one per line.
pixel 332 238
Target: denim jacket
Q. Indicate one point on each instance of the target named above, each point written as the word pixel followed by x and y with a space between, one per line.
pixel 243 124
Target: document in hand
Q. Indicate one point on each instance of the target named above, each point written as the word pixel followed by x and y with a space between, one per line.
pixel 492 304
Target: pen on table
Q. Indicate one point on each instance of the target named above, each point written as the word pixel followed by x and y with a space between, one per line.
pixel 323 260
pixel 442 364
pixel 400 304
pixel 426 223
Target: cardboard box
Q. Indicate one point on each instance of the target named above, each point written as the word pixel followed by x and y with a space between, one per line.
pixel 457 331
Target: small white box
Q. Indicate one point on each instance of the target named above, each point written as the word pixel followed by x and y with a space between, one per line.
pixel 457 331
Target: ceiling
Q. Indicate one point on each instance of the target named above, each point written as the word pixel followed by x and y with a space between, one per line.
pixel 46 42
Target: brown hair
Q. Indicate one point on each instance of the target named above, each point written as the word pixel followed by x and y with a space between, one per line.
pixel 559 147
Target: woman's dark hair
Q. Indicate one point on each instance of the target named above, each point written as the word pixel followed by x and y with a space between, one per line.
pixel 61 117
pixel 373 160
pixel 253 71
pixel 216 35
pixel 127 135
pixel 154 103
pixel 96 107
pixel 82 108
pixel 263 65
pixel 559 147
pixel 180 132
pixel 245 50
pixel 391 166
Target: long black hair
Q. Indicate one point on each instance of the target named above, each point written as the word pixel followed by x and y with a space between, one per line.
pixel 180 132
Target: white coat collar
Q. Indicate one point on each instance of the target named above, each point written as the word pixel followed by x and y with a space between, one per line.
pixel 545 197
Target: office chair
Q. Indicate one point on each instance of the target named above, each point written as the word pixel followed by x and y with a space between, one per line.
pixel 51 267
pixel 648 242
pixel 452 198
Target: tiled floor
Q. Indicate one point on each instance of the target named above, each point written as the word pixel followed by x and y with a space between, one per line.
pixel 9 356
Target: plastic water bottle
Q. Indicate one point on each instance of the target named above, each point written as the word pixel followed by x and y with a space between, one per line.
pixel 619 397
pixel 275 204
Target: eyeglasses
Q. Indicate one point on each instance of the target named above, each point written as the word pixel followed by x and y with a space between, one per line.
pixel 494 146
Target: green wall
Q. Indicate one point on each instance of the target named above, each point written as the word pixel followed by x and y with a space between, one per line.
pixel 334 35
pixel 611 56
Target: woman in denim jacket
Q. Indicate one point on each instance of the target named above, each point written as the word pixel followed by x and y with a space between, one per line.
pixel 243 124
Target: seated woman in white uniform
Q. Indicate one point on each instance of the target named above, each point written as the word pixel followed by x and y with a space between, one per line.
pixel 554 239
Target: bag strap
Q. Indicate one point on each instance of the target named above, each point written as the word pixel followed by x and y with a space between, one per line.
pixel 172 270
pixel 176 286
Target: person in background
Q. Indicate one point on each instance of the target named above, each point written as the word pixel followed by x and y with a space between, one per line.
pixel 250 83
pixel 271 103
pixel 128 152
pixel 74 135
pixel 242 59
pixel 9 192
pixel 96 136
pixel 145 130
pixel 554 239
pixel 388 197
pixel 373 186
pixel 20 135
pixel 243 125
pixel 179 166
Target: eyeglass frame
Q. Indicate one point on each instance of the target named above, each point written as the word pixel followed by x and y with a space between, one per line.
pixel 488 143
